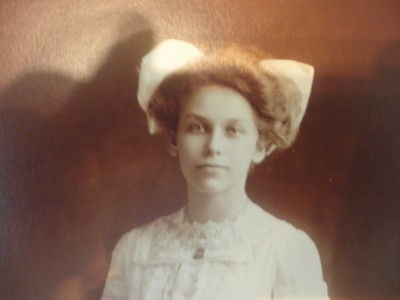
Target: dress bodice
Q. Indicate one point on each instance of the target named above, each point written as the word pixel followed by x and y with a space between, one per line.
pixel 254 256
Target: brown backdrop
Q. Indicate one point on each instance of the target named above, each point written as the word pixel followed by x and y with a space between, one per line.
pixel 78 168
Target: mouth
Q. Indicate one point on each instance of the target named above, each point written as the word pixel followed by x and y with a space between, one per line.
pixel 211 166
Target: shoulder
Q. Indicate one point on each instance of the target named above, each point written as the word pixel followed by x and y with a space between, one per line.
pixel 299 270
pixel 132 247
pixel 298 266
pixel 281 232
pixel 296 252
pixel 271 227
pixel 139 240
pixel 290 244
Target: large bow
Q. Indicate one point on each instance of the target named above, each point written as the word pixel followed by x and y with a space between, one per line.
pixel 172 55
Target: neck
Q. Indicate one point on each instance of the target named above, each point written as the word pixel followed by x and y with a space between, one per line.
pixel 219 207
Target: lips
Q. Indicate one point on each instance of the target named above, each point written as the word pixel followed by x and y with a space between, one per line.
pixel 211 166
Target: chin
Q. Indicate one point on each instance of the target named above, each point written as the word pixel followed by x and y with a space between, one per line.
pixel 211 187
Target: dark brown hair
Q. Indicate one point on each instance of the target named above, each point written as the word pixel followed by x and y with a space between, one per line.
pixel 276 101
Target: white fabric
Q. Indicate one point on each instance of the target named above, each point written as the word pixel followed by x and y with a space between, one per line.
pixel 166 58
pixel 256 256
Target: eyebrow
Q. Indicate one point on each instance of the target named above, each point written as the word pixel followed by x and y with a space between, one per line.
pixel 203 118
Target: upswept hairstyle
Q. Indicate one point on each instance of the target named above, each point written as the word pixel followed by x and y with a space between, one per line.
pixel 276 102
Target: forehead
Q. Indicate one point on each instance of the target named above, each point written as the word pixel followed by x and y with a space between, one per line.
pixel 217 102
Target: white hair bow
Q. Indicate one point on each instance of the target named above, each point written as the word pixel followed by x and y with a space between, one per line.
pixel 164 59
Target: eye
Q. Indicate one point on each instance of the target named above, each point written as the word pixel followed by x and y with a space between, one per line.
pixel 196 127
pixel 234 131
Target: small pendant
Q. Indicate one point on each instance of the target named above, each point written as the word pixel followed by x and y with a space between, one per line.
pixel 199 253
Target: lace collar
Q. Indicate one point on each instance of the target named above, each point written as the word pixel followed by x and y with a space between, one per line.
pixel 176 239
pixel 210 229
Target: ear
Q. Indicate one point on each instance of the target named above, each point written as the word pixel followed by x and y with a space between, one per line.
pixel 260 153
pixel 172 144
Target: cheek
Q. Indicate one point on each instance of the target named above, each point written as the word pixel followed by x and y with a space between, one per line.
pixel 245 151
pixel 189 146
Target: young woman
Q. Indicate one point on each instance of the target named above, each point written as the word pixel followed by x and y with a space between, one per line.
pixel 223 113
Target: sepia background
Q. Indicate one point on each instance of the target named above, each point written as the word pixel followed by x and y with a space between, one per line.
pixel 78 169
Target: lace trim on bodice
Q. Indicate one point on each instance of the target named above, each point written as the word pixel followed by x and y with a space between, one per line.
pixel 178 239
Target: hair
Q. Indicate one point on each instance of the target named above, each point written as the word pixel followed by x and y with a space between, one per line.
pixel 275 101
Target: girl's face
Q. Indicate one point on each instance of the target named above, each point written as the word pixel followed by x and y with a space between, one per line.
pixel 217 140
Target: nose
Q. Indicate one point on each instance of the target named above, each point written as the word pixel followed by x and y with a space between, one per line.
pixel 215 142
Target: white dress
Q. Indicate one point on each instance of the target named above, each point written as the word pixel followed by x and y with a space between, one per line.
pixel 255 256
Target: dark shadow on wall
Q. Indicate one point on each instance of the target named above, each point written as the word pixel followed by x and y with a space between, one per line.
pixel 69 171
pixel 367 255
pixel 340 180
